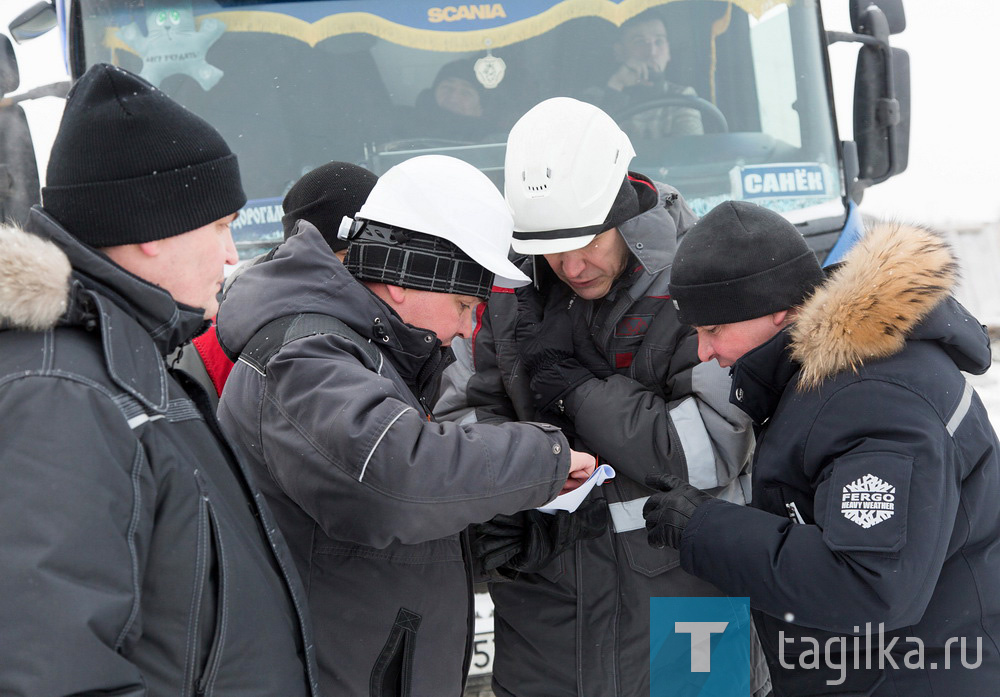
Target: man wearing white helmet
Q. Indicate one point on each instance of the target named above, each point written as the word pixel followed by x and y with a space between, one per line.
pixel 338 363
pixel 595 346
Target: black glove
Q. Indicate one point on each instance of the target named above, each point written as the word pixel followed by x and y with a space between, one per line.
pixel 545 340
pixel 542 329
pixel 530 540
pixel 668 513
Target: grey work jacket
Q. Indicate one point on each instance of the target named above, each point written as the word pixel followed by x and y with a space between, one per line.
pixel 372 494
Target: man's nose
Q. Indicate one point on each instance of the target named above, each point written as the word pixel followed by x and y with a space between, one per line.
pixel 705 352
pixel 573 264
pixel 232 257
pixel 463 330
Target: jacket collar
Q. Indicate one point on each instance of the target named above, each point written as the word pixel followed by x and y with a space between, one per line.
pixel 416 353
pixel 761 376
pixel 652 235
pixel 63 282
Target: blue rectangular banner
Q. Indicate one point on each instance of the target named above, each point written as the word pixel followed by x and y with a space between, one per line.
pixel 700 647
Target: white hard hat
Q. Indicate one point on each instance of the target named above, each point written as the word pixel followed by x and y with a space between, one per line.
pixel 566 161
pixel 448 198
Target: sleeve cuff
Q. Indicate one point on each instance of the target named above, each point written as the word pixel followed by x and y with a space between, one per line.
pixel 574 400
pixel 688 539
pixel 560 449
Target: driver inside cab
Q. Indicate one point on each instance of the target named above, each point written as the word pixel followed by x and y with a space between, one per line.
pixel 642 52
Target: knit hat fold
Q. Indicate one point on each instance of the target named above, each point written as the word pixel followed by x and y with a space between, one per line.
pixel 131 165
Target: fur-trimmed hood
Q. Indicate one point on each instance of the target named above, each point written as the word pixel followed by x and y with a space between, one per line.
pixel 34 280
pixel 889 282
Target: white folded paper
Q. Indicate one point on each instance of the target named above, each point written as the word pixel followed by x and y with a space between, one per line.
pixel 570 501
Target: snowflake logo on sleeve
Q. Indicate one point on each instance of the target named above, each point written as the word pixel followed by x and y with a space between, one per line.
pixel 868 501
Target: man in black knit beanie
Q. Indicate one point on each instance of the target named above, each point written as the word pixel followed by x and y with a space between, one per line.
pixel 741 262
pixel 876 472
pixel 138 555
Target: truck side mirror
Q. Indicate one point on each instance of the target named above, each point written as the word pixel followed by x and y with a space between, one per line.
pixel 10 76
pixel 892 10
pixel 882 112
pixel 33 22
pixel 881 91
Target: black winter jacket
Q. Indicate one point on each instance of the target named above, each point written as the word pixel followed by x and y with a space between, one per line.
pixel 661 411
pixel 876 486
pixel 372 495
pixel 137 557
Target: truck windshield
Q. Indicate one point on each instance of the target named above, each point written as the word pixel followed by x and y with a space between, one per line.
pixel 721 99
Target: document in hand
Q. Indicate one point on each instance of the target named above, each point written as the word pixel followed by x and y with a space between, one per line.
pixel 571 501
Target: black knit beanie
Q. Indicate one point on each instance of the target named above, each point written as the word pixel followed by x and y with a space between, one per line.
pixel 324 196
pixel 131 165
pixel 740 262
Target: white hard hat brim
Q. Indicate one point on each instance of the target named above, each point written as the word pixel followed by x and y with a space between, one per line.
pixel 555 246
pixel 505 274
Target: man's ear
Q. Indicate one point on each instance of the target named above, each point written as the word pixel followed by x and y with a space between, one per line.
pixel 782 318
pixel 150 249
pixel 397 293
pixel 134 256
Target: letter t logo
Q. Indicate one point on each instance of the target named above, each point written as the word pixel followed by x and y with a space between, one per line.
pixel 701 642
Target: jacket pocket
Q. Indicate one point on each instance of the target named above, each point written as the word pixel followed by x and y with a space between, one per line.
pixel 866 502
pixel 784 501
pixel 209 622
pixel 392 675
pixel 644 559
pixel 555 569
pixel 625 502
